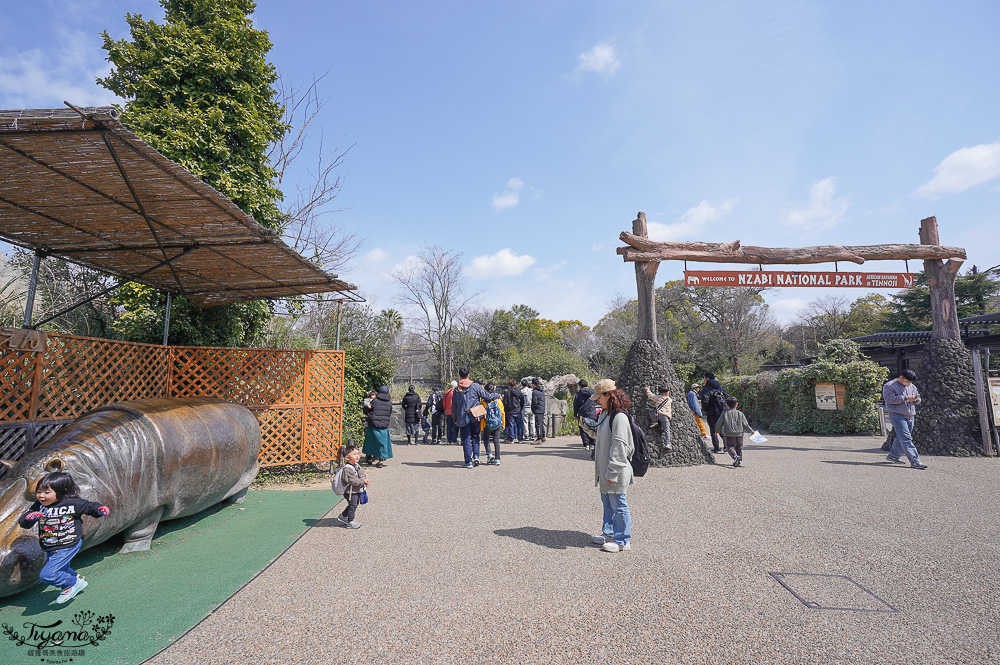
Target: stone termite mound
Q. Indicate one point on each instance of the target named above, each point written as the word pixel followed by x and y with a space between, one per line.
pixel 647 365
pixel 947 420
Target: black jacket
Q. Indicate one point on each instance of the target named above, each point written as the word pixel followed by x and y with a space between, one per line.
pixel 433 402
pixel 62 526
pixel 537 400
pixel 411 407
pixel 708 403
pixel 583 405
pixel 513 400
pixel 380 410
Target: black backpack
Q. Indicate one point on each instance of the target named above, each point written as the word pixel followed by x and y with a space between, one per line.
pixel 717 398
pixel 640 456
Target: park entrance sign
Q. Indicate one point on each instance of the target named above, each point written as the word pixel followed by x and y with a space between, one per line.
pixel 785 278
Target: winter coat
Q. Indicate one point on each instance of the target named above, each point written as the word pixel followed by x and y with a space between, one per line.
pixel 379 412
pixel 446 400
pixel 711 409
pixel 733 423
pixel 613 449
pixel 433 404
pixel 354 480
pixel 411 407
pixel 583 406
pixel 538 401
pixel 489 397
pixel 466 395
pixel 513 401
pixel 663 405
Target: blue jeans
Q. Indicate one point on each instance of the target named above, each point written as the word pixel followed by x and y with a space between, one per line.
pixel 903 427
pixel 469 446
pixel 56 570
pixel 617 520
pixel 515 427
pixel 452 433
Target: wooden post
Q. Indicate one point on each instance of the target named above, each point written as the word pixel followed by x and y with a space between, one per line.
pixel 984 423
pixel 941 282
pixel 645 276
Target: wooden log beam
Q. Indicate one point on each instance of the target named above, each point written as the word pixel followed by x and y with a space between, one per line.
pixel 643 249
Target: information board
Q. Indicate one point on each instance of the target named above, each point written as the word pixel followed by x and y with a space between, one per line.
pixel 831 396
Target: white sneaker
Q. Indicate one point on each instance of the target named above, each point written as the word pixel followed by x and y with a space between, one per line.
pixel 612 546
pixel 599 540
pixel 67 594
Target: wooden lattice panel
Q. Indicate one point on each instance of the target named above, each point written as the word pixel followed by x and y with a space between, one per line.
pixel 80 374
pixel 265 378
pixel 281 436
pixel 326 378
pixel 12 442
pixel 203 372
pixel 323 433
pixel 17 370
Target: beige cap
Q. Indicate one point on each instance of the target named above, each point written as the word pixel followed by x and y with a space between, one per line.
pixel 601 387
pixel 695 386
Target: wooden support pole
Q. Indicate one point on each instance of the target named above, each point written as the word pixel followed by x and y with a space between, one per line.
pixel 645 277
pixel 984 423
pixel 941 283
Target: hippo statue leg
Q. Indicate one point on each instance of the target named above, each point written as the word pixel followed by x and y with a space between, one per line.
pixel 239 497
pixel 139 536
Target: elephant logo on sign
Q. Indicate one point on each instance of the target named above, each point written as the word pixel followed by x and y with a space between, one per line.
pixel 693 280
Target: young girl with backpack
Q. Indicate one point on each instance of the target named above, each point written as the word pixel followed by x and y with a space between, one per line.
pixel 613 450
pixel 493 423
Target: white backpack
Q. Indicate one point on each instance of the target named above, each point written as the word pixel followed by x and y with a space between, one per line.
pixel 338 481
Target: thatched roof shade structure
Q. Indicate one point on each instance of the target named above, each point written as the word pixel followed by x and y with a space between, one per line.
pixel 76 184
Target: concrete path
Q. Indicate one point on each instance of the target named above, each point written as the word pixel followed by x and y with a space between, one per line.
pixel 495 565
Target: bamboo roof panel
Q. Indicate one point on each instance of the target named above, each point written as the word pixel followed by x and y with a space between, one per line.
pixel 80 186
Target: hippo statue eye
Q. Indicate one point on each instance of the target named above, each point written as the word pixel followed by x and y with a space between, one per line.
pixel 54 464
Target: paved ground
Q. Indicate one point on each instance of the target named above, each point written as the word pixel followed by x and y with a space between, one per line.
pixel 494 565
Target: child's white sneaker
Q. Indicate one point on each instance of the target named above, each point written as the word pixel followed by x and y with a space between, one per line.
pixel 353 524
pixel 612 546
pixel 67 594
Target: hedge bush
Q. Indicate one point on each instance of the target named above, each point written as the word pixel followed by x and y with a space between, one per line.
pixel 839 362
pixel 758 397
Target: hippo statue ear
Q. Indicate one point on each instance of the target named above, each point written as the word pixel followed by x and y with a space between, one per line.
pixel 54 464
pixel 7 463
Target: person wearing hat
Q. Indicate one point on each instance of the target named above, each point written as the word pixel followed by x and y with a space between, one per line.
pixel 661 410
pixel 377 443
pixel 613 449
pixel 694 403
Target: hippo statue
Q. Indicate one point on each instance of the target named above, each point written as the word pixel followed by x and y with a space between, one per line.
pixel 148 460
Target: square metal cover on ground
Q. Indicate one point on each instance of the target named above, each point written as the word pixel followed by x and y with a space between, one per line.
pixel 831 592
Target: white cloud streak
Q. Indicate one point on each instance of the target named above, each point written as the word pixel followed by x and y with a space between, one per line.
pixel 963 169
pixel 504 263
pixel 692 222
pixel 824 209
pixel 600 60
pixel 509 197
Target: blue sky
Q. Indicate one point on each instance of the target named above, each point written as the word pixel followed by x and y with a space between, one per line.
pixel 526 135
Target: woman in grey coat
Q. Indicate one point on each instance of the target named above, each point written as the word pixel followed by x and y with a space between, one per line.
pixel 612 467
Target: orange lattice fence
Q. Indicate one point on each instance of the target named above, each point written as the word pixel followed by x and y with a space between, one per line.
pixel 297 396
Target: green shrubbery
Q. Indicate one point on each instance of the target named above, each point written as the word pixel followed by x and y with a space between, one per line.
pixel 758 397
pixel 839 362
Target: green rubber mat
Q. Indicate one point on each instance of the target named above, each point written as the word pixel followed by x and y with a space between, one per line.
pixel 194 565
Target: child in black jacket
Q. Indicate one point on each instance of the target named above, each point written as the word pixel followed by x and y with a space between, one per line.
pixel 59 512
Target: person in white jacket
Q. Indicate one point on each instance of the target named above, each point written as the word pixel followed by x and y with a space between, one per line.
pixel 612 466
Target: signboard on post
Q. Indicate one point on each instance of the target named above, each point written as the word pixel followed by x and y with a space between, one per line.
pixel 995 399
pixel 831 396
pixel 783 278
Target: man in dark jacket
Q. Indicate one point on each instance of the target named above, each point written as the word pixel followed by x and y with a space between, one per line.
pixel 434 410
pixel 538 410
pixel 513 403
pixel 713 398
pixel 411 404
pixel 584 407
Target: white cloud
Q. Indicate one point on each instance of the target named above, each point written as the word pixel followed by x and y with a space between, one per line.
pixel 504 263
pixel 545 273
pixel 691 222
pixel 600 60
pixel 963 169
pixel 509 197
pixel 43 79
pixel 822 211
pixel 787 309
pixel 377 255
pixel 406 266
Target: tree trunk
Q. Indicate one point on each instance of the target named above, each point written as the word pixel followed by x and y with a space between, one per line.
pixel 941 282
pixel 645 276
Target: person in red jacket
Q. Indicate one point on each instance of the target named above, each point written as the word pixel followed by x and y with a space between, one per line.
pixel 451 427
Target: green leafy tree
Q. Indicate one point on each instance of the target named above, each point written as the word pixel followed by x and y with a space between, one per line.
pixel 975 293
pixel 201 91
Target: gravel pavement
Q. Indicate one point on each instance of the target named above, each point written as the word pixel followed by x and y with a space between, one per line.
pixel 495 565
